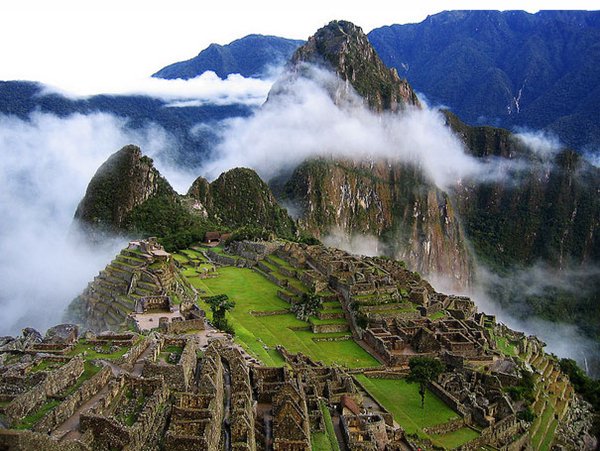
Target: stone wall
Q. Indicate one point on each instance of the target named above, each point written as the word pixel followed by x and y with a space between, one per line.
pixel 508 435
pixel 131 356
pixel 56 381
pixel 290 299
pixel 178 327
pixel 327 328
pixel 178 376
pixel 447 398
pixel 62 412
pixel 14 440
pixel 222 260
pixel 109 433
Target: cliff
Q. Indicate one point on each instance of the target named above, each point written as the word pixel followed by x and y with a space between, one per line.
pixel 343 47
pixel 414 220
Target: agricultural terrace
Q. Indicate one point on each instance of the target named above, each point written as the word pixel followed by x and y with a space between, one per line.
pixel 262 320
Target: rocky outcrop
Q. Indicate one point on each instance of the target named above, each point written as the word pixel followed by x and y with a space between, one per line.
pixel 239 198
pixel 343 46
pixel 126 180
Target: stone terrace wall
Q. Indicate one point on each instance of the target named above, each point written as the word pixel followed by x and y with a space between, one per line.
pixel 178 327
pixel 130 357
pixel 62 412
pixel 56 381
pixel 450 400
pixel 14 440
pixel 176 376
pixel 109 434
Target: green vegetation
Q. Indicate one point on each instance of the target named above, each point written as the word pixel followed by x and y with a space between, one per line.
pixel 219 305
pixel 87 351
pixel 30 420
pixel 422 371
pixel 329 431
pixel 404 403
pixel 456 438
pixel 504 345
pixel 586 386
pixel 251 293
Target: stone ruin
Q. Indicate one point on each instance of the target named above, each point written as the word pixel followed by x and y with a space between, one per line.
pixel 142 278
pixel 169 391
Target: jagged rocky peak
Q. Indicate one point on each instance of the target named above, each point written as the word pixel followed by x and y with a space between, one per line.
pixel 127 179
pixel 346 48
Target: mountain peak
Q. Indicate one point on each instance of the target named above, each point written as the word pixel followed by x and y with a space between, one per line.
pixel 346 48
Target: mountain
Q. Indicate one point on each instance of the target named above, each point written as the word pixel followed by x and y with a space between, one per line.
pixel 239 198
pixel 343 47
pixel 509 69
pixel 389 200
pixel 250 56
pixel 127 195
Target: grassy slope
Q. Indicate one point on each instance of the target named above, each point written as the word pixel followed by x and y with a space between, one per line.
pixel 253 292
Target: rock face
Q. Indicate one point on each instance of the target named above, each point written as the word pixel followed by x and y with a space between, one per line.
pixel 126 180
pixel 415 221
pixel 390 200
pixel 344 47
pixel 550 211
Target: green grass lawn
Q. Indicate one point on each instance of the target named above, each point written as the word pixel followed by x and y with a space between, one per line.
pixel 253 292
pixel 457 438
pixel 506 347
pixel 404 403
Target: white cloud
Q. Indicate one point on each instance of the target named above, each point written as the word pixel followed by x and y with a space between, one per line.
pixel 204 89
pixel 47 163
pixel 543 144
pixel 319 115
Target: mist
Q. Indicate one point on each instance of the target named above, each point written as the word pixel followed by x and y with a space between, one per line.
pixel 562 339
pixel 356 244
pixel 47 163
pixel 318 115
pixel 204 89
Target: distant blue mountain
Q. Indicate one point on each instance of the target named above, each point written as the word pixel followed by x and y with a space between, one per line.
pixel 22 98
pixel 505 68
pixel 250 56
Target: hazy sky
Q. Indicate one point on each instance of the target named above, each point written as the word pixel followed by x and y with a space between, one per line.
pixel 89 45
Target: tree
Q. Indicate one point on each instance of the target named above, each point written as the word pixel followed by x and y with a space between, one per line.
pixel 422 371
pixel 219 305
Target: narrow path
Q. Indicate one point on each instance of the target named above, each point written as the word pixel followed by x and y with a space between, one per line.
pixel 337 427
pixel 69 430
pixel 226 405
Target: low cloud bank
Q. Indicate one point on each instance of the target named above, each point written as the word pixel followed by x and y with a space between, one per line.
pixel 204 89
pixel 318 115
pixel 47 163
